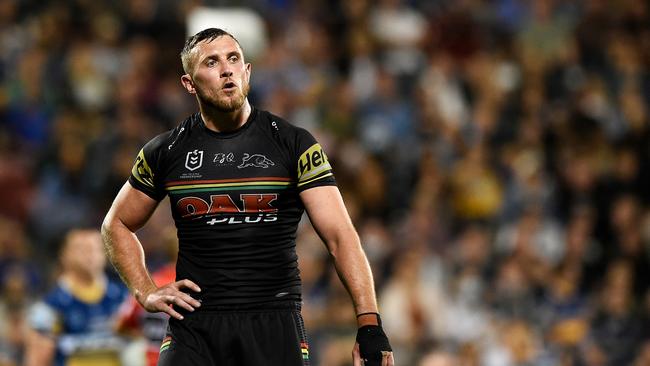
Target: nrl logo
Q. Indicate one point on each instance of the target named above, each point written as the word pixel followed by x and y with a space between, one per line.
pixel 194 160
pixel 255 160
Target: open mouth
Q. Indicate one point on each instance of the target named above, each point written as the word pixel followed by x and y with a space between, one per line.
pixel 229 85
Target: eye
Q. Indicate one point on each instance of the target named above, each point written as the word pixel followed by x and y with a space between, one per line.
pixel 233 58
pixel 210 63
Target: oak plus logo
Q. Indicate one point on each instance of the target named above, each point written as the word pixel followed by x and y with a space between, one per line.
pixel 251 208
pixel 255 160
pixel 194 160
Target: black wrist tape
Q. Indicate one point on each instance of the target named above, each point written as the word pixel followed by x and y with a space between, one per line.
pixel 372 341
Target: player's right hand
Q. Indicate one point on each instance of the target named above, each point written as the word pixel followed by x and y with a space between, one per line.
pixel 386 358
pixel 372 347
pixel 160 298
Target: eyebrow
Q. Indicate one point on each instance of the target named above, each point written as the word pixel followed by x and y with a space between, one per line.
pixel 216 56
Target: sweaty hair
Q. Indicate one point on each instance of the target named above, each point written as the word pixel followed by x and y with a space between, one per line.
pixel 208 35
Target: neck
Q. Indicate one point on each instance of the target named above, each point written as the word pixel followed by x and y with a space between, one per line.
pixel 220 121
pixel 78 278
pixel 86 288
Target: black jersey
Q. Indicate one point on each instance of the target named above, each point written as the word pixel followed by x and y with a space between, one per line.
pixel 235 201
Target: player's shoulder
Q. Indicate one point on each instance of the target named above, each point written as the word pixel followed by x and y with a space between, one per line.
pixel 59 297
pixel 167 140
pixel 43 317
pixel 279 126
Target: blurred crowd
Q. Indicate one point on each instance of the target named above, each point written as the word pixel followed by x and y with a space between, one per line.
pixel 494 156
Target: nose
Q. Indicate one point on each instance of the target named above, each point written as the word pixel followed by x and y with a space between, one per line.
pixel 226 72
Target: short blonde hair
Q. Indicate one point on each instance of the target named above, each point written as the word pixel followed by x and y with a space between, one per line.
pixel 207 35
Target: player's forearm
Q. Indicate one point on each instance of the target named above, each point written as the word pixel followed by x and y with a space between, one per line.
pixel 354 271
pixel 127 256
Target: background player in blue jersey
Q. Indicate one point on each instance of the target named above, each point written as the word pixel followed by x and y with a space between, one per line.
pixel 239 180
pixel 73 325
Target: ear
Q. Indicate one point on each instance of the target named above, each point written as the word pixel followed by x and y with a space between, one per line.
pixel 188 83
pixel 249 67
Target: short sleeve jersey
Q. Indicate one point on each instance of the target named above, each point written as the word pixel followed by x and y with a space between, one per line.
pixel 83 330
pixel 235 202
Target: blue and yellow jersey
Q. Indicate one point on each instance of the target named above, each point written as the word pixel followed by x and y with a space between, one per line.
pixel 82 323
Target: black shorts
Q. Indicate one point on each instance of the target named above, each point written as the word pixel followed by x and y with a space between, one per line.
pixel 272 335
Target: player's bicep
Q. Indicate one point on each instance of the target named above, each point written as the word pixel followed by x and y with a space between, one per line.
pixel 39 348
pixel 131 208
pixel 328 215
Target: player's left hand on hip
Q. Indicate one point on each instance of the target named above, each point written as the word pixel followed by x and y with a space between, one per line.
pixel 372 347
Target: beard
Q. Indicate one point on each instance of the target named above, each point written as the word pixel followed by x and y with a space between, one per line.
pixel 226 103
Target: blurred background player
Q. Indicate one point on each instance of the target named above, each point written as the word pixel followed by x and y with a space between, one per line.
pixel 73 325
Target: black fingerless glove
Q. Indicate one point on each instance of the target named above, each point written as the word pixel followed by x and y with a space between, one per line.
pixel 372 341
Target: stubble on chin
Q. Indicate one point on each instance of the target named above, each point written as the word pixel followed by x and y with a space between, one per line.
pixel 227 104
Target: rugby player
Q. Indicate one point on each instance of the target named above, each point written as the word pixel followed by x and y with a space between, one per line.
pixel 239 179
pixel 73 324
